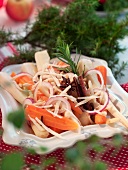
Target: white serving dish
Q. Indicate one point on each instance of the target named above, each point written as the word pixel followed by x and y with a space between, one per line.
pixel 20 138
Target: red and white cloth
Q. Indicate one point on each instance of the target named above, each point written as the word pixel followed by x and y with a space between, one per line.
pixel 7 51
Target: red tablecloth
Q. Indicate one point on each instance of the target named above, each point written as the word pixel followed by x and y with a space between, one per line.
pixel 117 162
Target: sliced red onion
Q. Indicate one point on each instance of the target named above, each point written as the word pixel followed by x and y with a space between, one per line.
pixel 22 74
pixel 91 71
pixel 52 100
pixel 46 84
pixel 49 86
pixel 106 95
pixel 28 101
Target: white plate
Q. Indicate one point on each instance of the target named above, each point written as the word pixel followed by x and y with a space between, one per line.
pixel 20 138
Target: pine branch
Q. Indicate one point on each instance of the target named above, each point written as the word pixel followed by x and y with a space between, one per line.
pixel 5 36
pixel 118 5
pixel 63 53
pixel 91 34
pixel 25 55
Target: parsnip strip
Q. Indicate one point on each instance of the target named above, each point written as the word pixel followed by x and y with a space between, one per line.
pixel 49 130
pixel 112 120
pixel 114 111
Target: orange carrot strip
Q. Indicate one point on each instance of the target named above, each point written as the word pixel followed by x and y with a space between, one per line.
pixel 61 63
pixel 20 80
pixel 76 109
pixel 42 97
pixel 34 112
pixel 56 130
pixel 26 79
pixel 100 119
pixel 49 120
pixel 103 71
pixel 13 74
pixel 23 79
pixel 76 114
pixel 60 123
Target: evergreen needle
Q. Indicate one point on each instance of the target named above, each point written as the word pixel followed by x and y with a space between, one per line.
pixel 63 54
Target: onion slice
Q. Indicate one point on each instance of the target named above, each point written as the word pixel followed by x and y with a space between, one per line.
pixel 41 84
pixel 49 86
pixel 53 100
pixel 91 71
pixel 22 74
pixel 103 107
pixel 28 101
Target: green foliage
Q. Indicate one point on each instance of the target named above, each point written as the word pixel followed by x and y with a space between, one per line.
pixel 24 55
pixel 63 53
pixel 12 161
pixel 118 69
pixel 76 156
pixel 4 36
pixel 17 118
pixel 79 24
pixel 100 166
pixel 117 140
pixel 1 131
pixel 48 162
pixel 116 6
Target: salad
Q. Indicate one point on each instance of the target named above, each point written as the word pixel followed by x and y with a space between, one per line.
pixel 60 95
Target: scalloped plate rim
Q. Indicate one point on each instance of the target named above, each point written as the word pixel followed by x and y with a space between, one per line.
pixel 22 139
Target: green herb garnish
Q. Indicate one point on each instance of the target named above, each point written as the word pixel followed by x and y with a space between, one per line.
pixel 66 69
pixel 63 54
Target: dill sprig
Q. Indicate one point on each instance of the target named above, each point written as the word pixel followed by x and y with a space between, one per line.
pixel 63 54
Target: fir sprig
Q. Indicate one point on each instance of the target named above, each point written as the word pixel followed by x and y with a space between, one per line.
pixel 24 55
pixel 63 54
pixel 93 35
pixel 4 36
pixel 118 5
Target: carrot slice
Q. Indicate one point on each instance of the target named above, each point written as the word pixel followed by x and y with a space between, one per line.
pixel 34 112
pixel 54 68
pixel 61 63
pixel 42 97
pixel 100 119
pixel 13 74
pixel 56 130
pixel 103 71
pixel 74 108
pixel 24 79
pixel 60 123
pixel 49 120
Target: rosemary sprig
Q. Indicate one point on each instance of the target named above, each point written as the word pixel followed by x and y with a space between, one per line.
pixel 65 69
pixel 63 54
